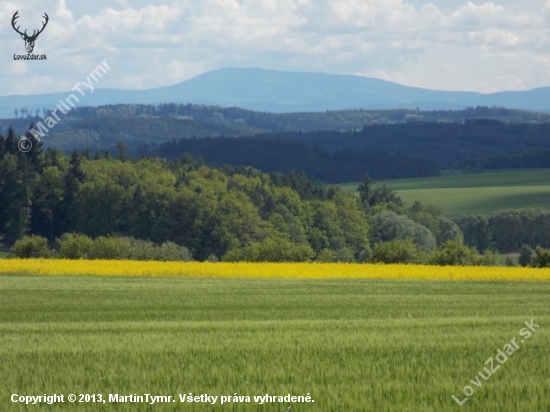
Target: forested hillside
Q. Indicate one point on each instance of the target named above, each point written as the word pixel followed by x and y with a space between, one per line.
pixel 232 213
pixel 413 149
pixel 332 147
pixel 240 214
pixel 228 213
pixel 444 143
pixel 518 159
pixel 286 156
pixel 143 127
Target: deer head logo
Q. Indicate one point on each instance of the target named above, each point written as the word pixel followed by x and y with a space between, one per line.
pixel 29 40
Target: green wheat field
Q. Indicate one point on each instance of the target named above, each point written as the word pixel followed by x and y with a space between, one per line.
pixel 353 345
pixel 479 193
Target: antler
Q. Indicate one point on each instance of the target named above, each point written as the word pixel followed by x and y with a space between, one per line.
pixel 34 36
pixel 15 17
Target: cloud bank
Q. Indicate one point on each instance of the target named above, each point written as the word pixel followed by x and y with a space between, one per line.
pixel 478 46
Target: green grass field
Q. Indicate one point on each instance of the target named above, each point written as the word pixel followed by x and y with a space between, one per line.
pixel 483 193
pixel 353 345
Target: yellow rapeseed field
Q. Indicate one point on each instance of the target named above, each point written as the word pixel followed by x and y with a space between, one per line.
pixel 267 270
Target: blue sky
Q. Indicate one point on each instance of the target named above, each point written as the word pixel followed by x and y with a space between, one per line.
pixel 440 44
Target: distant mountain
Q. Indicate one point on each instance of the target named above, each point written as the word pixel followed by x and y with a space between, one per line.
pixel 277 91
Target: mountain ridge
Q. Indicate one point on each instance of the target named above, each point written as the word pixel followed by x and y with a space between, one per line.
pixel 279 92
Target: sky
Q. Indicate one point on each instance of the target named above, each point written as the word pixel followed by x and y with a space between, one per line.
pixel 439 44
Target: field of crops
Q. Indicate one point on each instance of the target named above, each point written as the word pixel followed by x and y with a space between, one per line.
pixel 351 344
pixel 267 270
pixel 484 193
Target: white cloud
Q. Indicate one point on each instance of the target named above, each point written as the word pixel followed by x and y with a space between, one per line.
pixel 14 68
pixel 419 42
pixel 478 16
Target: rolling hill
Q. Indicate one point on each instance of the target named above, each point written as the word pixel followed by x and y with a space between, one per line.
pixel 479 193
pixel 277 91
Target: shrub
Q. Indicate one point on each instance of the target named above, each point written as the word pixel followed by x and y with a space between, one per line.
pixel 170 251
pixel 107 248
pixel 454 252
pixel 525 256
pixel 136 249
pixel 397 251
pixel 326 256
pixel 388 226
pixel 488 258
pixel 144 250
pixel 541 258
pixel 344 255
pixel 74 246
pixel 77 246
pixel 31 247
pixel 271 250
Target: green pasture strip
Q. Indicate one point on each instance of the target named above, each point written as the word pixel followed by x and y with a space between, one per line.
pixel 481 193
pixel 480 200
pixel 353 345
pixel 506 178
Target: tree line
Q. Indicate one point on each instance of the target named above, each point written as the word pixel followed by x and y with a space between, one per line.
pixel 291 122
pixel 235 213
pixel 521 159
pixel 286 156
pixel 449 145
pixel 507 230
pixel 447 138
pixel 182 207
pixel 113 206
